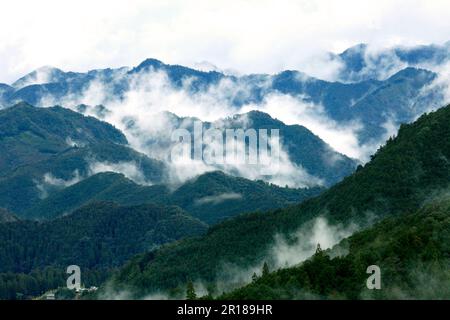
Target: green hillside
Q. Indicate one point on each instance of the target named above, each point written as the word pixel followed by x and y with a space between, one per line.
pixel 61 144
pixel 399 178
pixel 29 135
pixel 210 197
pixel 412 251
pixel 96 237
pixel 25 186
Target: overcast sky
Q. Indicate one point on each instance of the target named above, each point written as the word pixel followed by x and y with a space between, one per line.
pixel 245 36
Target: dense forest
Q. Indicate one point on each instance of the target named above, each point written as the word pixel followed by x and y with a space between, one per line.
pixel 403 174
pixel 210 197
pixel 96 237
pixel 411 251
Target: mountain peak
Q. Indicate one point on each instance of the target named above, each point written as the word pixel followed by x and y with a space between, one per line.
pixel 45 74
pixel 147 63
pixel 411 72
pixel 358 48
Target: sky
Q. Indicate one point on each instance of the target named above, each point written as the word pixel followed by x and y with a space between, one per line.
pixel 247 36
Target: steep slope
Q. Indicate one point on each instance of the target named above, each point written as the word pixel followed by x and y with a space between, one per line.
pixel 210 197
pixel 368 80
pixel 46 149
pixel 27 185
pixel 305 149
pixel 403 174
pixel 215 196
pixel 313 161
pixel 361 63
pixel 29 134
pixel 412 252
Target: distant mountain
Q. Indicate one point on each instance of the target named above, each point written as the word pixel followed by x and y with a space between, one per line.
pixel 43 75
pixel 320 162
pixel 96 237
pixel 375 89
pixel 361 62
pixel 402 175
pixel 29 135
pixel 304 148
pixel 210 197
pixel 46 149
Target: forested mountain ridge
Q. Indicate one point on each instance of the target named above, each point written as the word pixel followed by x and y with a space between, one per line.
pixel 399 178
pixel 46 149
pixel 210 197
pixel 96 237
pixel 411 251
pixel 50 149
pixel 29 135
pixel 371 88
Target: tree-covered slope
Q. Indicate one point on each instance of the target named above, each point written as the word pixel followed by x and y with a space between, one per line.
pixel 403 174
pixel 312 160
pixel 29 134
pixel 46 149
pixel 211 197
pixel 304 148
pixel 214 196
pixel 28 185
pixel 412 252
pixel 97 237
pixel 101 234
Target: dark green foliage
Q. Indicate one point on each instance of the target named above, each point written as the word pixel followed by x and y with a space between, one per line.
pixel 38 281
pixel 57 141
pixel 190 291
pixel 29 135
pixel 265 269
pixel 25 187
pixel 403 174
pixel 201 197
pixel 95 237
pixel 412 252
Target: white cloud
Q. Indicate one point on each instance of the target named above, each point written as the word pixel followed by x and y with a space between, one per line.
pixel 128 169
pixel 49 182
pixel 341 137
pixel 288 253
pixel 146 104
pixel 248 36
pixel 216 199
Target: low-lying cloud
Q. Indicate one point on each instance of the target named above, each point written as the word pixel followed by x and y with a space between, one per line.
pixel 142 114
pixel 50 182
pixel 216 199
pixel 128 169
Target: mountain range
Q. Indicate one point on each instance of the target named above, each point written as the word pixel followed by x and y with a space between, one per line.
pixel 86 178
pixel 407 172
pixel 374 89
